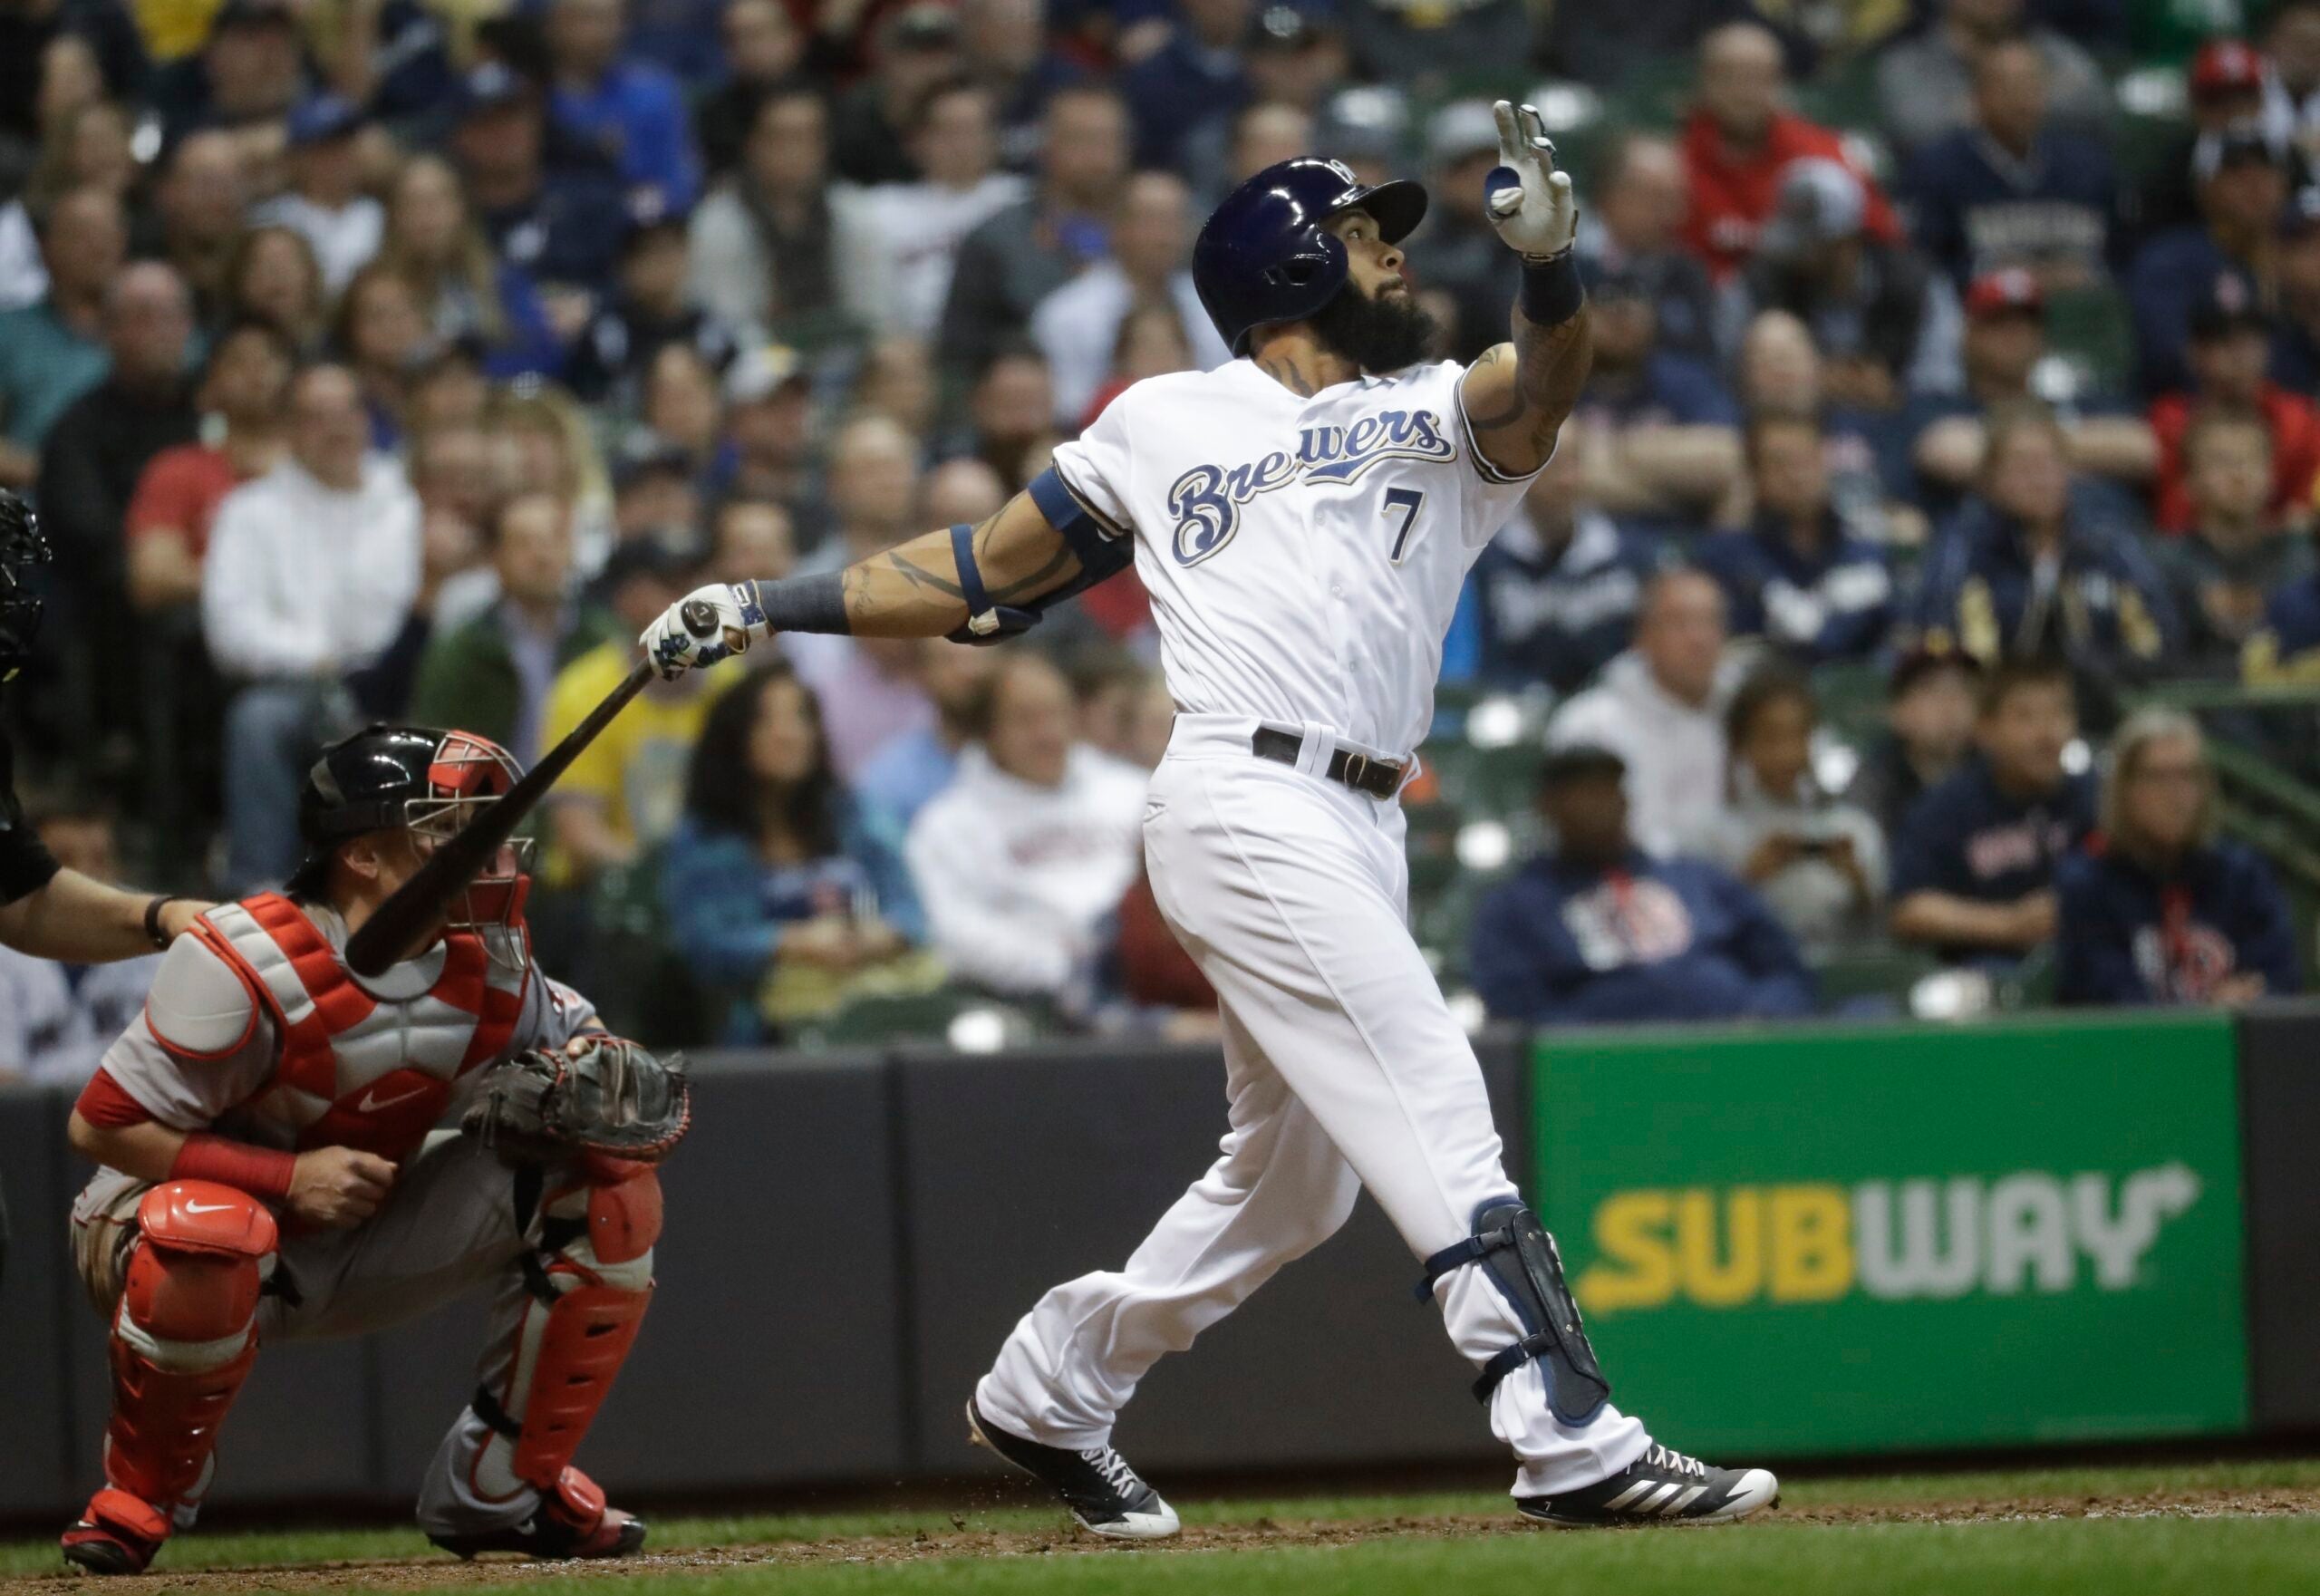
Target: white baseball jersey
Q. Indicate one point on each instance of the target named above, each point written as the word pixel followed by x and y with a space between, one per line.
pixel 1304 555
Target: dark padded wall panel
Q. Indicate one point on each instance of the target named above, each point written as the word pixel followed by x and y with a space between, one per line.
pixel 38 1300
pixel 2279 1084
pixel 1025 1170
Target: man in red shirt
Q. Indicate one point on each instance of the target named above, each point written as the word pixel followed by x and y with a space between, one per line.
pixel 2230 348
pixel 1738 140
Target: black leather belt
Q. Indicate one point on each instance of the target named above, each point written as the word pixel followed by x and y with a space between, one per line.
pixel 1378 777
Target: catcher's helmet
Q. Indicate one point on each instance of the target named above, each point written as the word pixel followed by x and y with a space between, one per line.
pixel 1263 255
pixel 431 781
pixel 23 546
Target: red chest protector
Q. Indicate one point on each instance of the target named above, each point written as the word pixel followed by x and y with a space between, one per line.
pixel 358 1070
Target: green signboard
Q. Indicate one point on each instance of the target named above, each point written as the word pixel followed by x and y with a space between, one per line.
pixel 1865 1239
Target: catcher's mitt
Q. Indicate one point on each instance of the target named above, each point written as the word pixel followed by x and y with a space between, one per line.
pixel 610 1097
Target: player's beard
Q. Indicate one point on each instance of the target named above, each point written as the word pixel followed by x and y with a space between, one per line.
pixel 1375 334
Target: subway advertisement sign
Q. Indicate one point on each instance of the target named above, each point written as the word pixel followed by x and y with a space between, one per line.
pixel 1864 1239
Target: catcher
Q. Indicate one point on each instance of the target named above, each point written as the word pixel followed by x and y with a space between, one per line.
pixel 273 1167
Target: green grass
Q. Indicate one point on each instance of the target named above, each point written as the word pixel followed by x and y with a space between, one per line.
pixel 2109 1556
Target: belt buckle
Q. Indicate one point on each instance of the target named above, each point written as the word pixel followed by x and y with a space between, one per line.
pixel 1357 769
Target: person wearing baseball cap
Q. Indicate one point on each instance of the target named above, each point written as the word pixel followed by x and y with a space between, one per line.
pixel 2229 353
pixel 325 203
pixel 251 69
pixel 2295 263
pixel 1599 932
pixel 2003 349
pixel 551 204
pixel 2244 174
pixel 649 308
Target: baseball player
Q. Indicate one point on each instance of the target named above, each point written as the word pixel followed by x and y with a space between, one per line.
pixel 268 1171
pixel 1303 518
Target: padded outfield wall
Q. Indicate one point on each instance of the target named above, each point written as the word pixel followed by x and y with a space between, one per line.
pixel 1803 1240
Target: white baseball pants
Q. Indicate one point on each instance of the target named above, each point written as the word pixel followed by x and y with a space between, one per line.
pixel 1343 1068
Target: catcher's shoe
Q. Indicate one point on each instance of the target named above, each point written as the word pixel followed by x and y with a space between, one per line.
pixel 116 1534
pixel 1662 1487
pixel 1104 1494
pixel 572 1521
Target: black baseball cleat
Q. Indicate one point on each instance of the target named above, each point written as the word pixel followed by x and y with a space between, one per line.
pixel 572 1521
pixel 1104 1494
pixel 1662 1487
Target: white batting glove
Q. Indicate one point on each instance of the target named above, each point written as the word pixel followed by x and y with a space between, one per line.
pixel 708 625
pixel 1530 203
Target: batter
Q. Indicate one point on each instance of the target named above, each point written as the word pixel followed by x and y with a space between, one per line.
pixel 1303 518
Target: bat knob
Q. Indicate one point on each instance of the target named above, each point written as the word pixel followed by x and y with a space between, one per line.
pixel 700 617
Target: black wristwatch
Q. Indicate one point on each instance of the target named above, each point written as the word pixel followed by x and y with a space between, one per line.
pixel 153 932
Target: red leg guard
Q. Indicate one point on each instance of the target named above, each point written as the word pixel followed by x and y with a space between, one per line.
pixel 183 1340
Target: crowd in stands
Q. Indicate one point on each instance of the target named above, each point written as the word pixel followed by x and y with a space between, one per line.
pixel 400 360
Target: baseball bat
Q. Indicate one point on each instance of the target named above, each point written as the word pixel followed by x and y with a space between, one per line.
pixel 400 926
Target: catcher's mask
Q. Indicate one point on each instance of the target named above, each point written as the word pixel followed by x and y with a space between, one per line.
pixel 23 546
pixel 430 783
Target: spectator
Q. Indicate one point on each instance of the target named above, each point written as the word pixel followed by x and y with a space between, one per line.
pixel 1553 597
pixel 251 70
pixel 2291 86
pixel 1423 47
pixel 764 47
pixel 2231 341
pixel 1260 136
pixel 200 207
pixel 2012 190
pixel 2285 650
pixel 492 675
pixel 1738 142
pixel 381 333
pixel 915 764
pixel 1008 52
pixel 1196 80
pixel 1021 859
pixel 1928 86
pixel 326 204
pixel 1930 708
pixel 1659 707
pixel 1657 432
pixel 89 148
pixel 1974 861
pixel 1151 342
pixel 1295 60
pixel 625 793
pixel 57 1020
pixel 897 380
pixel 1795 576
pixel 88 469
pixel 167 525
pixel 769 451
pixel 277 280
pixel 750 538
pixel 1027 251
pixel 680 404
pixel 1600 931
pixel 1635 225
pixel 779 885
pixel 655 495
pixel 1866 302
pixel 2035 565
pixel 1867 455
pixel 2234 555
pixel 1077 326
pixel 312 569
pixel 651 310
pixel 2004 342
pixel 2295 263
pixel 550 201
pixel 635 111
pixel 762 241
pixel 1465 256
pixel 901 239
pixel 918 48
pixel 1011 416
pixel 53 351
pixel 1819 864
pixel 2227 90
pixel 962 489
pixel 464 290
pixel 2158 909
pixel 2243 176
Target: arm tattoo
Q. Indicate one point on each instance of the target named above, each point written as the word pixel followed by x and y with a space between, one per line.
pixel 1512 409
pixel 1036 583
pixel 919 577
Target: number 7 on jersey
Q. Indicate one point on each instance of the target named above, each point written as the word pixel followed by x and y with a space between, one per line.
pixel 1409 500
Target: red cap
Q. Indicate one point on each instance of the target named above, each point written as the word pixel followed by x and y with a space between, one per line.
pixel 1996 293
pixel 2225 67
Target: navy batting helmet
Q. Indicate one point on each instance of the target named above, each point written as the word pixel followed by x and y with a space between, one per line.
pixel 1264 257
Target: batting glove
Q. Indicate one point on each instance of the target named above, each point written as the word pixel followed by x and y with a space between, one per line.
pixel 729 616
pixel 1530 203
